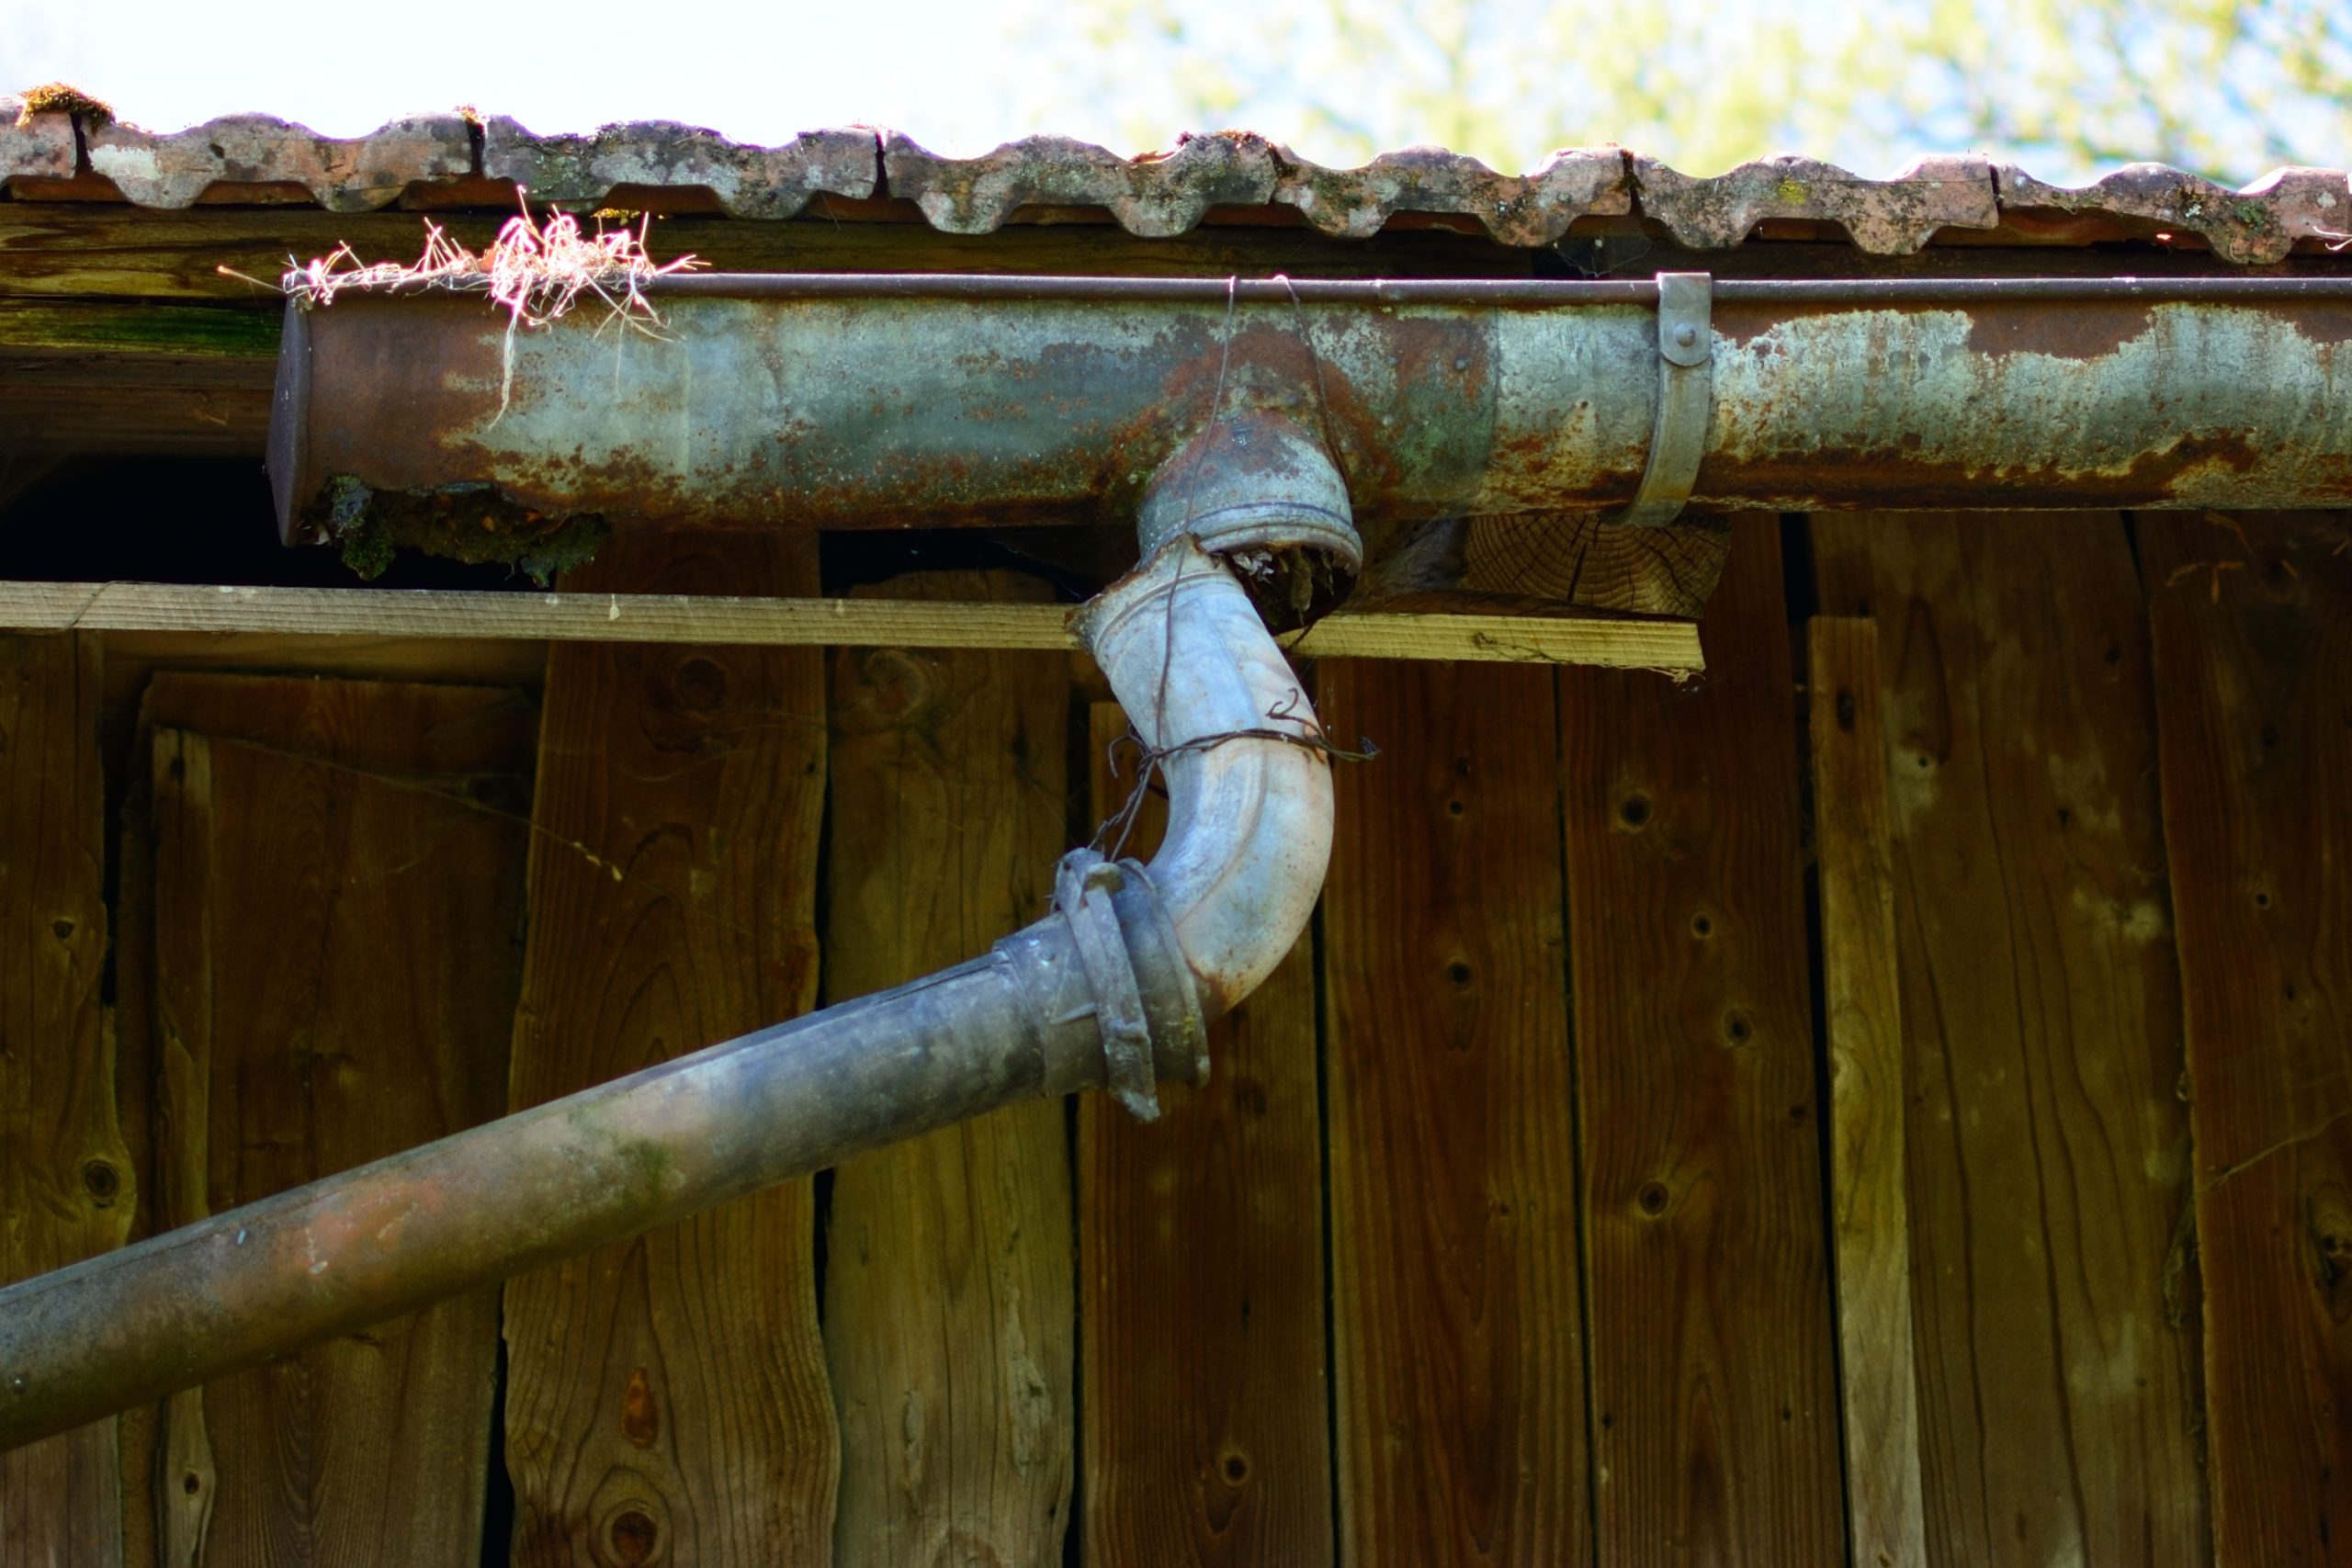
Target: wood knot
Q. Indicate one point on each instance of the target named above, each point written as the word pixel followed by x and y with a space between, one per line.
pixel 698 684
pixel 634 1538
pixel 102 1182
pixel 641 1411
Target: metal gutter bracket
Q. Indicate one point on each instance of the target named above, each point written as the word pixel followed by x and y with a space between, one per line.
pixel 1686 397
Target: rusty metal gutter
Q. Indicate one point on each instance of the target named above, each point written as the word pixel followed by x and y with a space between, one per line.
pixel 882 399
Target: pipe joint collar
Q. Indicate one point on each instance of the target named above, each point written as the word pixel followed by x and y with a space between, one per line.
pixel 1145 1006
pixel 1253 482
pixel 1224 718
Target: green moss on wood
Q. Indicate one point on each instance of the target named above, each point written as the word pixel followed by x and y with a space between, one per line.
pixel 198 331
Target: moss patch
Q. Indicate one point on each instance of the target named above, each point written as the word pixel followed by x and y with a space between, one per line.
pixel 207 332
pixel 471 523
pixel 64 97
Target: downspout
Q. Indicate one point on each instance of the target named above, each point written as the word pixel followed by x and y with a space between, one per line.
pixel 1113 988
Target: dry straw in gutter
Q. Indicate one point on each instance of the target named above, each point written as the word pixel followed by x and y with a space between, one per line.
pixel 535 272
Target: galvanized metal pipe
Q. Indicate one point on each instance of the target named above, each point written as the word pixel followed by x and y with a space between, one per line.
pixel 857 401
pixel 1227 894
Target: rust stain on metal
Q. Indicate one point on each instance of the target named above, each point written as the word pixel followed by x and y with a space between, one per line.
pixel 1901 475
pixel 872 411
pixel 2082 332
pixel 2321 323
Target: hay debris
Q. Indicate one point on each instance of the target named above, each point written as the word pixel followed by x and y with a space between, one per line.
pixel 535 272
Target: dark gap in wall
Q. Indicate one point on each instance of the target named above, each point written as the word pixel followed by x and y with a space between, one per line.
pixel 1078 800
pixel 821 1188
pixel 2190 1289
pixel 153 519
pixel 820 916
pixel 854 557
pixel 1073 1532
pixel 1315 934
pixel 206 520
pixel 1801 590
pixel 1798 583
pixel 1078 803
pixel 1576 1128
pixel 498 1499
pixel 118 778
pixel 2139 567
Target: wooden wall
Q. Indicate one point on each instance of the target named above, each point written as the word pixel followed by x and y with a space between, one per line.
pixel 1888 1101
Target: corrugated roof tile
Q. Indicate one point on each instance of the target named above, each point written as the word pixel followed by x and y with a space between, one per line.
pixel 346 175
pixel 1154 195
pixel 750 181
pixel 35 145
pixel 2252 227
pixel 1518 209
pixel 1888 217
pixel 1163 194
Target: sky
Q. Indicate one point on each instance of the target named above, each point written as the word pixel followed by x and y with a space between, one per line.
pixel 946 74
pixel 1335 80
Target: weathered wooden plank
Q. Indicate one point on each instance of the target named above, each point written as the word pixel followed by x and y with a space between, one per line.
pixel 2040 1001
pixel 185 1477
pixel 140 1430
pixel 133 332
pixel 2253 627
pixel 1869 1202
pixel 382 1028
pixel 68 1181
pixel 1459 1364
pixel 948 1297
pixel 1585 557
pixel 335 616
pixel 1206 1409
pixel 399 729
pixel 1715 1412
pixel 96 399
pixel 666 1396
pixel 112 250
pixel 109 249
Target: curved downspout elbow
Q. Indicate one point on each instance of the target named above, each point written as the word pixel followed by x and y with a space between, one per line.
pixel 1249 786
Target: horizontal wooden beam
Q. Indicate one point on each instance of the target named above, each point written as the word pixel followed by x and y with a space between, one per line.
pixel 410 613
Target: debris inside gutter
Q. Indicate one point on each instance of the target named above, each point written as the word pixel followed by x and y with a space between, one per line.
pixel 535 272
pixel 464 522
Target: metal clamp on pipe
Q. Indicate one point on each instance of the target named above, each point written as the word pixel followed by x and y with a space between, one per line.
pixel 1111 975
pixel 1686 397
